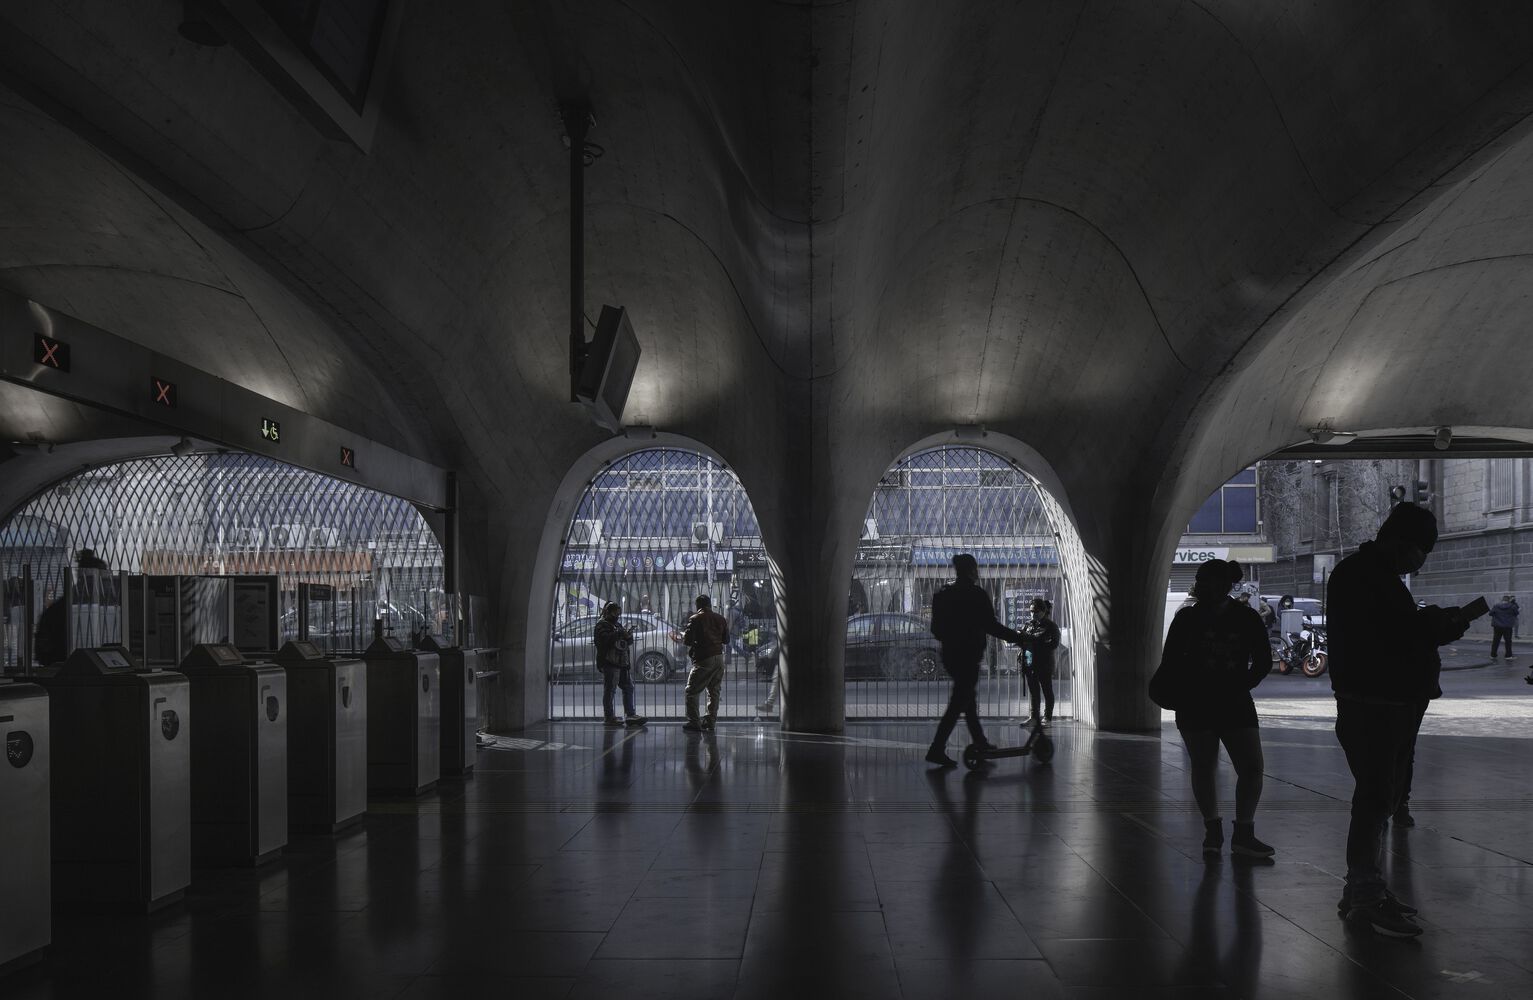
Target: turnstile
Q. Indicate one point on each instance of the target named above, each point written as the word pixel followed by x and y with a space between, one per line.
pixel 121 781
pixel 326 739
pixel 403 718
pixel 26 890
pixel 239 757
pixel 460 708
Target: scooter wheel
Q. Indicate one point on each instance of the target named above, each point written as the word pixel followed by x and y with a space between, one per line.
pixel 1044 750
pixel 971 756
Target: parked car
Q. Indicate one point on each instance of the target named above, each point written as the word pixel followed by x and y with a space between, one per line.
pixel 881 646
pixel 654 655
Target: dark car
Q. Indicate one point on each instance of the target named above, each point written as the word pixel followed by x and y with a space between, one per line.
pixel 883 646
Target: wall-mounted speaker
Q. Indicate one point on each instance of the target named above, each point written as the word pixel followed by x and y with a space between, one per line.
pixel 612 357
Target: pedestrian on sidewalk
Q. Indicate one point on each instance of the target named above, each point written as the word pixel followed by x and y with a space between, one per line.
pixel 1218 648
pixel 706 636
pixel 962 616
pixel 1384 669
pixel 1503 624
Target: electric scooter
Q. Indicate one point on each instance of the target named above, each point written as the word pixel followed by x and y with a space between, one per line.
pixel 1037 745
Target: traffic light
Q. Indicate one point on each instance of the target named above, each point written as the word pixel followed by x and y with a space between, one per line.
pixel 1423 493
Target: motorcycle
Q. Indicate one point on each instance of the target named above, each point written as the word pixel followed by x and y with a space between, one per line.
pixel 1304 651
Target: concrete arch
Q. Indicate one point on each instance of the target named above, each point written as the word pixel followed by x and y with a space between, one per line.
pixel 1085 584
pixel 556 525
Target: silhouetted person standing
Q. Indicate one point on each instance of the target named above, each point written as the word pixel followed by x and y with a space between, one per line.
pixel 1503 624
pixel 1384 669
pixel 1220 645
pixel 1040 637
pixel 962 617
pixel 706 636
pixel 613 650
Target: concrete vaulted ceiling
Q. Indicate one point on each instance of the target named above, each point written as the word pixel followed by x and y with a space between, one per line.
pixel 1154 241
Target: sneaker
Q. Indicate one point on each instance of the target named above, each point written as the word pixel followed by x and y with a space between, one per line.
pixel 1244 842
pixel 1026 723
pixel 1528 679
pixel 707 725
pixel 1493 656
pixel 1213 837
pixel 613 722
pixel 691 726
pixel 766 708
pixel 1383 919
pixel 1403 817
pixel 940 757
pixel 1399 905
pixel 635 720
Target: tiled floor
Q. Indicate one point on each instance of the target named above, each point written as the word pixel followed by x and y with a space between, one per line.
pixel 751 863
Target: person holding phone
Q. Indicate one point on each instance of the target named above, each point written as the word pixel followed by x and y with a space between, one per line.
pixel 1384 669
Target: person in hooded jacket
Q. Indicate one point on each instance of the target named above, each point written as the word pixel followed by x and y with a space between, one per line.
pixel 1503 623
pixel 1384 669
pixel 1219 647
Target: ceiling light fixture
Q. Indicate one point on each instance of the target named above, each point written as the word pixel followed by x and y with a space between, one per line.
pixel 1444 438
pixel 183 448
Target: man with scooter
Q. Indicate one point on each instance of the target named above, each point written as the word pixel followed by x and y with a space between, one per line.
pixel 962 616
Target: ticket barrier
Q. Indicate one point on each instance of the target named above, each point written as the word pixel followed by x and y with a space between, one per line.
pixel 460 708
pixel 404 724
pixel 26 890
pixel 121 781
pixel 326 739
pixel 239 757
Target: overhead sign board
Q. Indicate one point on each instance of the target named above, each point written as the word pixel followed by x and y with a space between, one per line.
pixel 1200 554
pixel 50 353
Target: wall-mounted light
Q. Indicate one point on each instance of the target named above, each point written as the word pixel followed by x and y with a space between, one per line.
pixel 1443 439
pixel 1324 433
pixel 183 448
pixel 969 432
pixel 639 432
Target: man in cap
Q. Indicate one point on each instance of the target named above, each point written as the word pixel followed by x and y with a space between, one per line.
pixel 1384 668
pixel 962 616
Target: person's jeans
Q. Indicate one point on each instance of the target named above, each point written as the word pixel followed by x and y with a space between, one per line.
pixel 961 702
pixel 1377 741
pixel 706 674
pixel 1040 681
pixel 1498 635
pixel 1419 713
pixel 613 678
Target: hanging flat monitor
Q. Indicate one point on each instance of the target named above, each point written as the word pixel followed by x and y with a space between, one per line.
pixel 611 360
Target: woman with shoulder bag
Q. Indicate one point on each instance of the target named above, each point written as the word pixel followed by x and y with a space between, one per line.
pixel 1215 653
pixel 612 653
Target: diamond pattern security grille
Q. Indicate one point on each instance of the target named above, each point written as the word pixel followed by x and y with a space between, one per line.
pixel 927 508
pixel 236 514
pixel 652 531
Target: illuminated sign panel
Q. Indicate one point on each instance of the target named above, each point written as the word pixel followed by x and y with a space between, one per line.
pixel 271 430
pixel 162 392
pixel 348 458
pixel 50 353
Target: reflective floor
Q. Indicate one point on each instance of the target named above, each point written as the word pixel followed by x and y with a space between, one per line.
pixel 584 862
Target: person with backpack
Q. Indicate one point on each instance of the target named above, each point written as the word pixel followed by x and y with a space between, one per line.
pixel 613 642
pixel 1217 650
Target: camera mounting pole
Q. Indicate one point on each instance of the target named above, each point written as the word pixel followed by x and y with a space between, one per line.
pixel 577 124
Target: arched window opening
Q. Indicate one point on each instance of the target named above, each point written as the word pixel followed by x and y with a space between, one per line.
pixel 928 507
pixel 232 514
pixel 652 531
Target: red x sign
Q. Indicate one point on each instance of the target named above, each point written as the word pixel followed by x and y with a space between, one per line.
pixel 164 393
pixel 50 353
pixel 348 458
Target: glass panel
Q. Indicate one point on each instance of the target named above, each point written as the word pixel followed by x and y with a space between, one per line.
pixel 1208 520
pixel 1239 509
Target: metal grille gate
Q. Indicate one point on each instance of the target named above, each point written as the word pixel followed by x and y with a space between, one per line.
pixel 233 514
pixel 928 507
pixel 652 531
